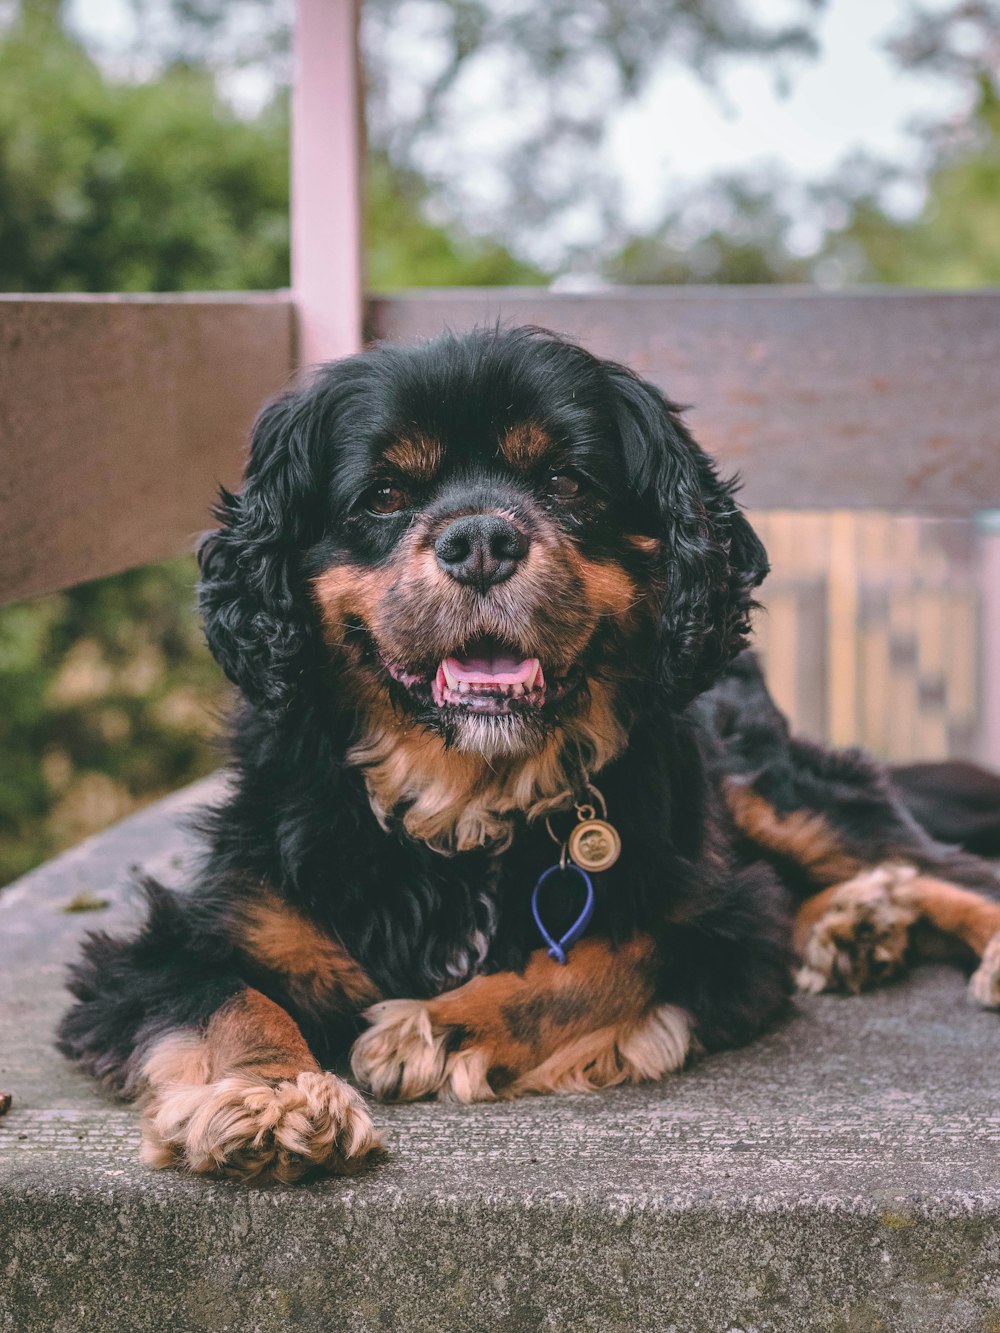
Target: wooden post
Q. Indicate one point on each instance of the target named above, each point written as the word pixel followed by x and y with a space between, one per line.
pixel 326 180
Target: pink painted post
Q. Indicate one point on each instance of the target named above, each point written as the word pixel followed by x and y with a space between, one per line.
pixel 326 180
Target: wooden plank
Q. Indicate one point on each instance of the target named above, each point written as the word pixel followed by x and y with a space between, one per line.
pixel 856 400
pixel 326 179
pixel 118 420
pixel 842 630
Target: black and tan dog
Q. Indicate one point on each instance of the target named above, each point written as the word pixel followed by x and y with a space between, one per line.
pixel 462 582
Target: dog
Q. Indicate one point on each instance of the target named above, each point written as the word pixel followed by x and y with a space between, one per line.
pixel 486 603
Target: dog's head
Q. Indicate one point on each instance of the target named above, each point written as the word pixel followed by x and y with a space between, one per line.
pixel 491 535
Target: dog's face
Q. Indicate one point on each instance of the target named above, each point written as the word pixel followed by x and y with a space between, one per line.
pixel 481 570
pixel 492 534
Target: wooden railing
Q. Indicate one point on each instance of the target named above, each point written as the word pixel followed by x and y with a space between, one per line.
pixel 119 416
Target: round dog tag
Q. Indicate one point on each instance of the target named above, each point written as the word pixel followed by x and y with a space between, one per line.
pixel 594 845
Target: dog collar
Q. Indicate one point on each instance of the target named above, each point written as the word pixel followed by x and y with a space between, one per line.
pixel 592 846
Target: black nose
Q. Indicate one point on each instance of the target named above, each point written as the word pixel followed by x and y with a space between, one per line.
pixel 480 549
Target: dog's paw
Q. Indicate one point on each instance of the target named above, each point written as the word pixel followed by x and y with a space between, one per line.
pixel 861 940
pixel 404 1056
pixel 247 1128
pixel 984 984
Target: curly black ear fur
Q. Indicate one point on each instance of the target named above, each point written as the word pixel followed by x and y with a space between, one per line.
pixel 258 620
pixel 711 557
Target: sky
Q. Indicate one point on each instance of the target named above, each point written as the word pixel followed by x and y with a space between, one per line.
pixel 851 98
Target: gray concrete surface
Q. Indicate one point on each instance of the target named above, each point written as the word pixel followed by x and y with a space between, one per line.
pixel 840 1175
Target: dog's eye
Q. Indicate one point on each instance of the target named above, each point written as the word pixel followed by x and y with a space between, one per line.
pixel 387 499
pixel 563 485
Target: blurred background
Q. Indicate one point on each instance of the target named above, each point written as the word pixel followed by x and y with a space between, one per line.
pixel 144 147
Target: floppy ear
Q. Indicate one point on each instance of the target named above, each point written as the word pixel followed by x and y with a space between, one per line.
pixel 711 558
pixel 258 620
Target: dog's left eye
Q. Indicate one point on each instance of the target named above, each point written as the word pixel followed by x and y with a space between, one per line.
pixel 387 499
pixel 563 485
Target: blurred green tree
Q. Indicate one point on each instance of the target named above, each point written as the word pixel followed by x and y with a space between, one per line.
pixel 954 239
pixel 131 187
pixel 161 186
pixel 732 230
pixel 108 699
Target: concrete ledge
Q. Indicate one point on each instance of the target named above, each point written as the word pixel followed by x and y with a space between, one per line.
pixel 841 1175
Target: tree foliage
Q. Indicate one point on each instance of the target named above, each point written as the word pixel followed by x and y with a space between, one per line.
pixel 732 230
pixel 954 240
pixel 153 186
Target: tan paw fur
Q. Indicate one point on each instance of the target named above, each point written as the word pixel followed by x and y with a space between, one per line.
pixel 862 938
pixel 403 1057
pixel 984 984
pixel 251 1129
pixel 658 1044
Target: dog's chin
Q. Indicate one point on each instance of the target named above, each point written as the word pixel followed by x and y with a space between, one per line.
pixel 492 736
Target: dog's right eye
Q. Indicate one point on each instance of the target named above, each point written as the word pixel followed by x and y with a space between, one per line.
pixel 387 499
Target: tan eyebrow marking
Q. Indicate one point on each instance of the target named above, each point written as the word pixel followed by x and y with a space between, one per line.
pixel 646 545
pixel 525 445
pixel 418 456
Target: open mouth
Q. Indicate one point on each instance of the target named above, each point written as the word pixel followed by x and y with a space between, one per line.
pixel 486 676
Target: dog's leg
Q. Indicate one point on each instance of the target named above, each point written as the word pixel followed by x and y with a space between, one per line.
pixel 587 1024
pixel 854 935
pixel 243 1096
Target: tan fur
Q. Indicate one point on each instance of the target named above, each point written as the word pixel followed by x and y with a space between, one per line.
pixel 246 1128
pixel 246 1099
pixel 317 970
pixel 962 913
pixel 609 589
pixel 180 1057
pixel 642 1053
pixel 418 456
pixel 854 935
pixel 454 801
pixel 646 545
pixel 525 445
pixel 343 591
pixel 802 835
pixel 404 1056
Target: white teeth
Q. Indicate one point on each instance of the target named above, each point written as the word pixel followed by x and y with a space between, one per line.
pixel 450 682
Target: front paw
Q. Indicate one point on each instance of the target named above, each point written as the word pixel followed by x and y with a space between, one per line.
pixel 404 1056
pixel 862 939
pixel 250 1129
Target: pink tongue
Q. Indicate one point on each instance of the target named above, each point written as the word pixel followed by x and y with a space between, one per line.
pixel 499 670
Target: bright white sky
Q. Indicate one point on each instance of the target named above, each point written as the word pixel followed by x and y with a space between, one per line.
pixel 851 98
